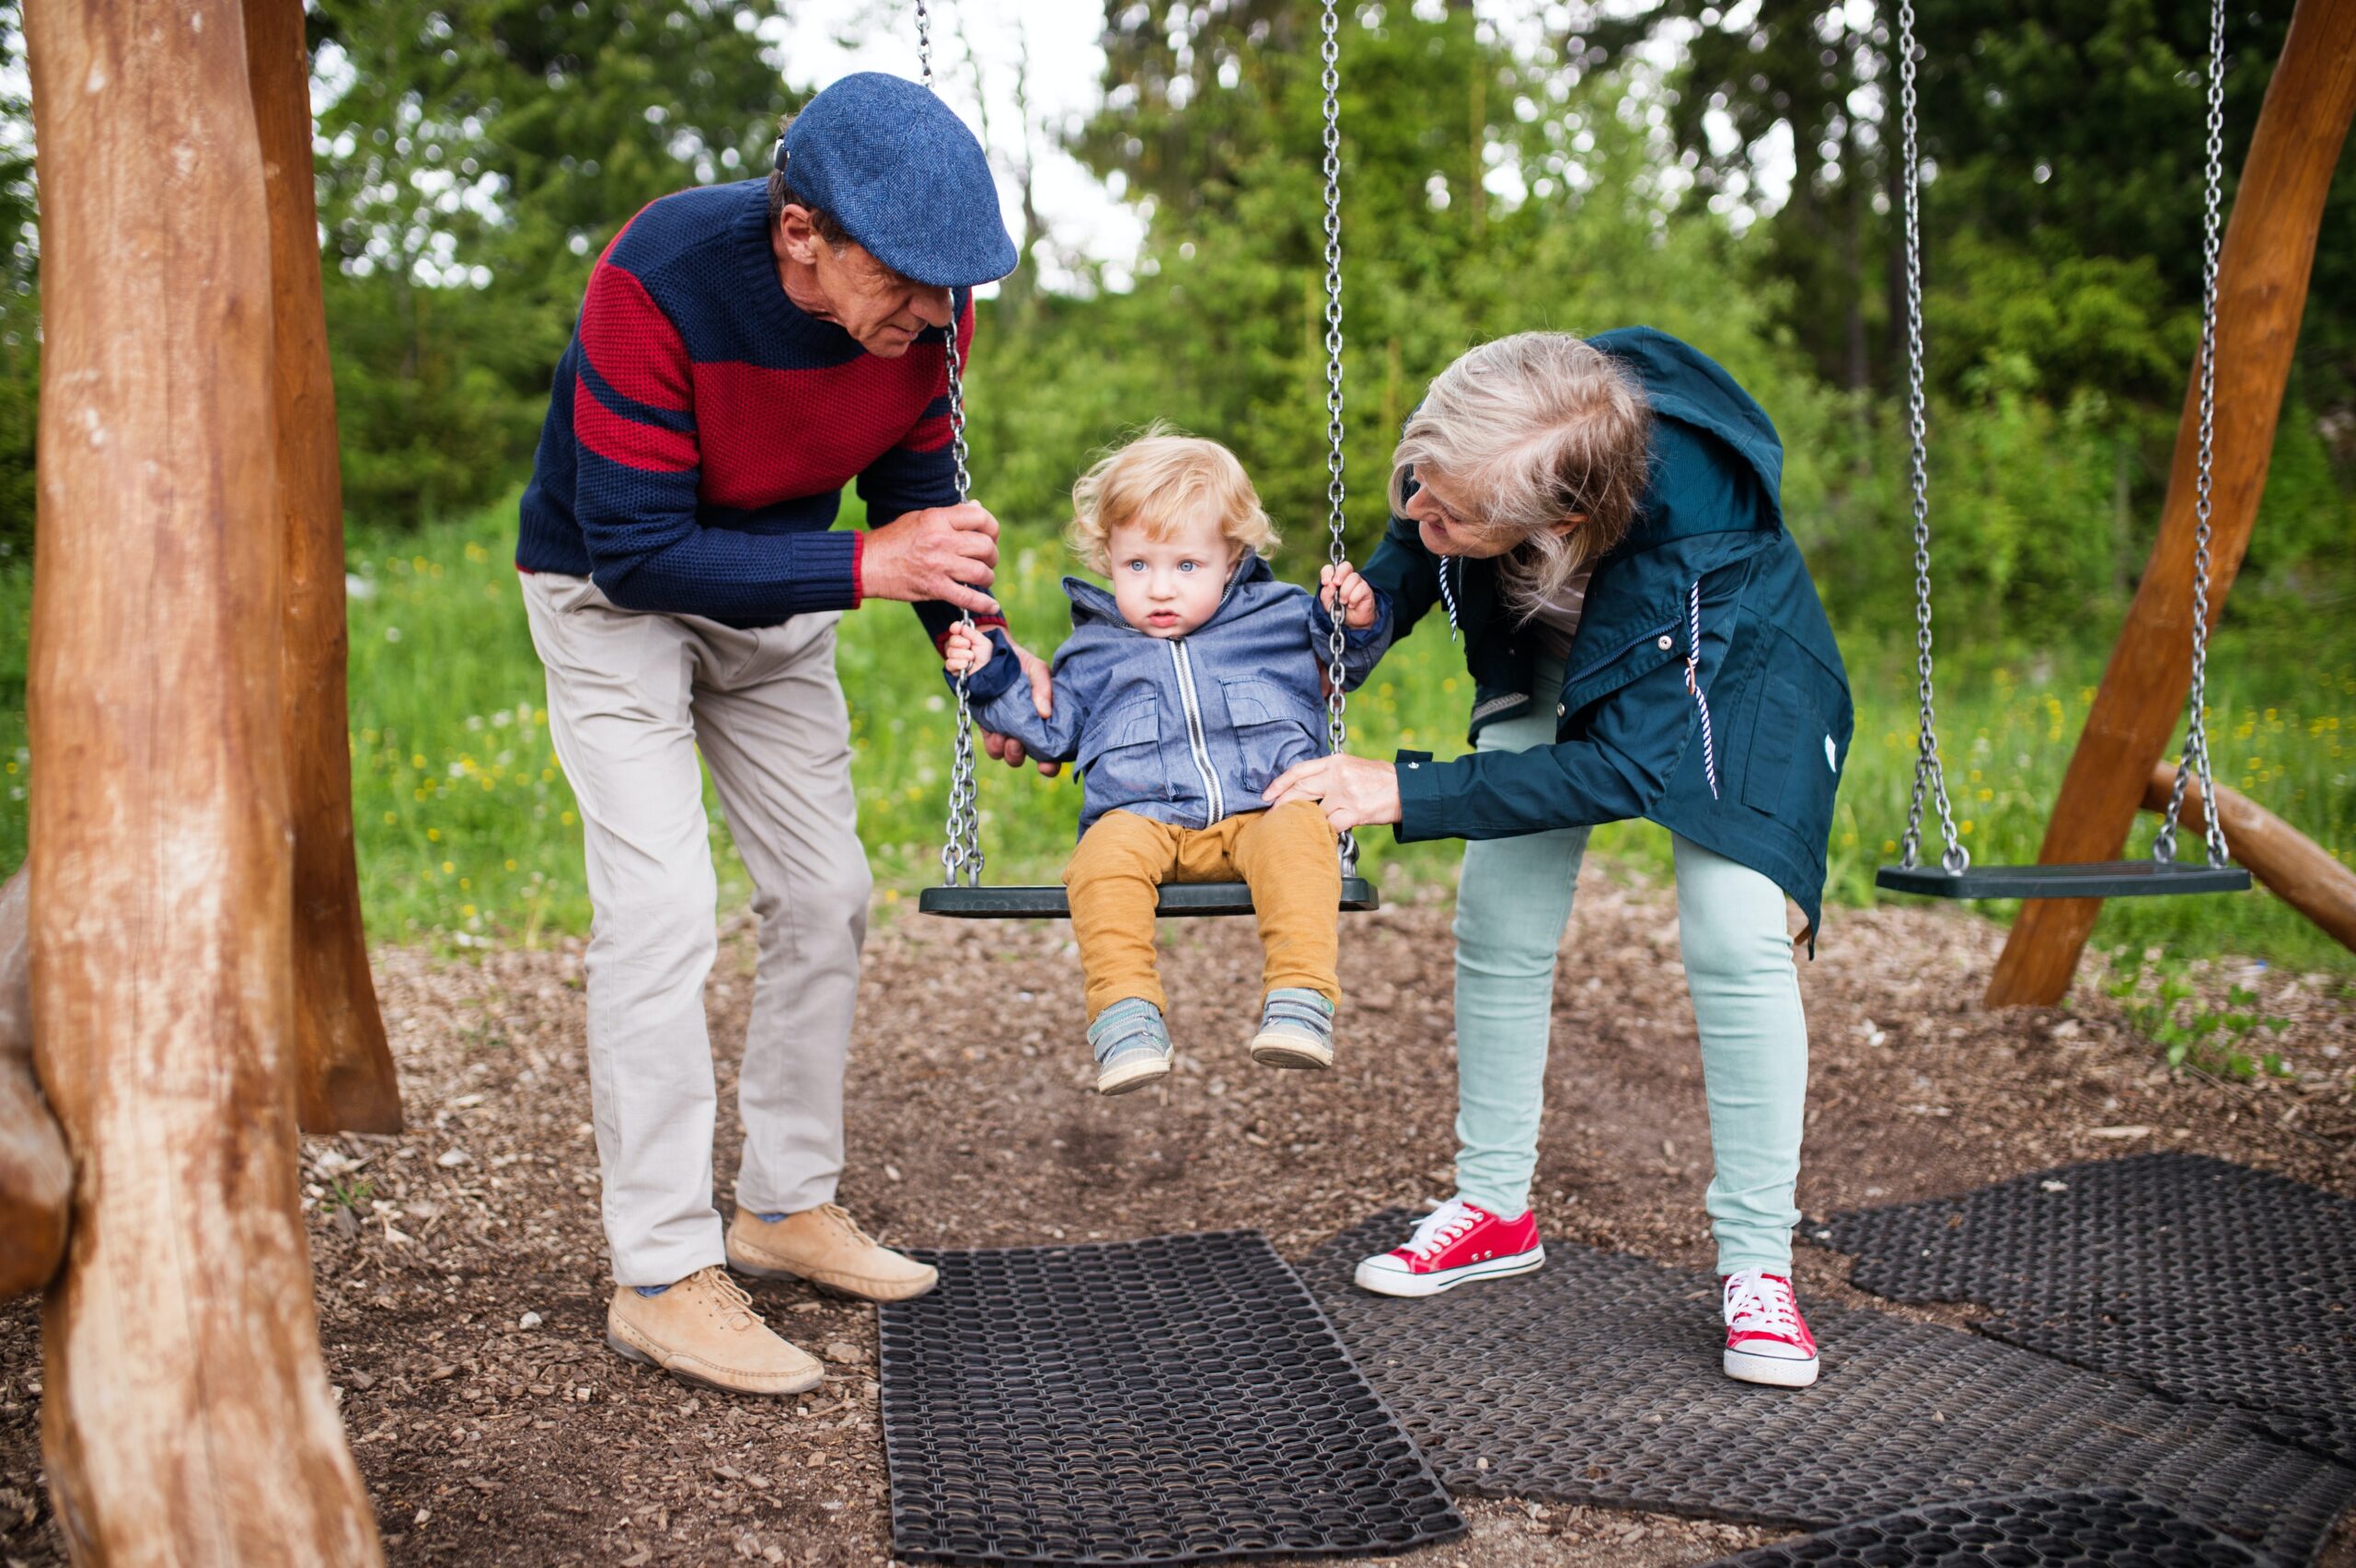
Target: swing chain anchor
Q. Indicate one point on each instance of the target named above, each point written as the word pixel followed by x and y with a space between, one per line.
pixel 2196 724
pixel 1336 727
pixel 1930 778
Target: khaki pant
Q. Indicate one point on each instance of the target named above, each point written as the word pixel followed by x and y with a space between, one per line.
pixel 632 698
pixel 1286 854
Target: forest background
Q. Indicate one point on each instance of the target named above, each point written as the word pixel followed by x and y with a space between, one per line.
pixel 1724 173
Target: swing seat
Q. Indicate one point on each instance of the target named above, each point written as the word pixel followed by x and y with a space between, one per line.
pixel 1177 898
pixel 2098 879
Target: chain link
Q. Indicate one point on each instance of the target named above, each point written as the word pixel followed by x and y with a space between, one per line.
pixel 2196 724
pixel 1337 734
pixel 961 846
pixel 1930 778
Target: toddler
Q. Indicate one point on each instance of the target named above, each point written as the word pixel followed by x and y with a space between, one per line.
pixel 1181 693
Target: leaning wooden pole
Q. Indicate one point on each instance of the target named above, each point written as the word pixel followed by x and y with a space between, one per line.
pixel 186 1417
pixel 2261 292
pixel 343 1072
pixel 2295 868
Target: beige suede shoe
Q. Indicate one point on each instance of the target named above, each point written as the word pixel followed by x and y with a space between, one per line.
pixel 702 1331
pixel 826 1246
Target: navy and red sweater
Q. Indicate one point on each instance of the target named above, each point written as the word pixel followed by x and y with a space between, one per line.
pixel 702 428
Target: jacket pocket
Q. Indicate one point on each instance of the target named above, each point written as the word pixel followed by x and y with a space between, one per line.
pixel 1596 678
pixel 1122 757
pixel 1768 759
pixel 1269 733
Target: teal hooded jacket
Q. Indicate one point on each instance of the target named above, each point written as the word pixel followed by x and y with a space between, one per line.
pixel 1704 689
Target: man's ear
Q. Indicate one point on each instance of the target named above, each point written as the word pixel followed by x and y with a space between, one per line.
pixel 1567 524
pixel 796 238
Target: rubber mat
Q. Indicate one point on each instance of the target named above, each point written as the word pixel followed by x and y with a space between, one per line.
pixel 2204 1279
pixel 1176 1399
pixel 1597 1380
pixel 2103 1528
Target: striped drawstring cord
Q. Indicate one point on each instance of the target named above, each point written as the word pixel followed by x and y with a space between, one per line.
pixel 1694 684
pixel 1447 598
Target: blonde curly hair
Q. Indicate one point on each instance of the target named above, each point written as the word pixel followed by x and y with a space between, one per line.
pixel 1534 427
pixel 1161 481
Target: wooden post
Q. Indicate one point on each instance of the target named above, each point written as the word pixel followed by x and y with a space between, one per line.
pixel 2262 288
pixel 186 1417
pixel 2298 871
pixel 36 1176
pixel 344 1073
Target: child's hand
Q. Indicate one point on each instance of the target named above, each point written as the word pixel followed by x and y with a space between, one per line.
pixel 1346 592
pixel 967 649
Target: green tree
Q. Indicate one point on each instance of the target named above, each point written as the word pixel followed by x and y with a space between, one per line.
pixel 475 157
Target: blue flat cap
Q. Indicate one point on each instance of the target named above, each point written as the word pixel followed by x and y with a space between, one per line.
pixel 903 176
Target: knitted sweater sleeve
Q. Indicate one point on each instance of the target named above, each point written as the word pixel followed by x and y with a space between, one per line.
pixel 633 411
pixel 920 471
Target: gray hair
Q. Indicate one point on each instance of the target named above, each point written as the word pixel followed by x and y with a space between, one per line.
pixel 1535 427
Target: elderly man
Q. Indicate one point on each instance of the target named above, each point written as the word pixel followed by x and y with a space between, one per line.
pixel 743 351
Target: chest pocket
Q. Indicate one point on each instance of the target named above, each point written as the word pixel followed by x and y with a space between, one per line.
pixel 1268 729
pixel 1122 758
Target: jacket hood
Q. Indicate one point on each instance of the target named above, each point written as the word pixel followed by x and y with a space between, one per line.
pixel 1093 605
pixel 1683 384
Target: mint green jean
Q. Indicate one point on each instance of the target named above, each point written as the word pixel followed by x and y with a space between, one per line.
pixel 1513 903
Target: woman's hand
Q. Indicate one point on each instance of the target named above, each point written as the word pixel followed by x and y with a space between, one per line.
pixel 1353 790
pixel 1347 594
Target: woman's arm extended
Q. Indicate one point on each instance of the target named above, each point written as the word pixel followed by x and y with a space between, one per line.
pixel 1406 574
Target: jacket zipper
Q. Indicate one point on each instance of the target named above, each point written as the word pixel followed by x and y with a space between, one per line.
pixel 1212 798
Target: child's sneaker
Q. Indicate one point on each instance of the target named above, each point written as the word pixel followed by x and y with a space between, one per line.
pixel 1132 1045
pixel 1456 1242
pixel 1767 1340
pixel 1296 1030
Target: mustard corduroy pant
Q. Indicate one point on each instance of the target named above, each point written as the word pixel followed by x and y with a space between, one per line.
pixel 1286 854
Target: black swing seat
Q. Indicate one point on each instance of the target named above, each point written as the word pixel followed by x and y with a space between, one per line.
pixel 2100 878
pixel 1177 898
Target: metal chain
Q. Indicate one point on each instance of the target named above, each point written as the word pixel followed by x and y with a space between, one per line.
pixel 2196 724
pixel 1336 701
pixel 961 846
pixel 1930 779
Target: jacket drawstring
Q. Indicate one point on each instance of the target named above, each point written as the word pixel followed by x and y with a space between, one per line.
pixel 1694 684
pixel 1449 598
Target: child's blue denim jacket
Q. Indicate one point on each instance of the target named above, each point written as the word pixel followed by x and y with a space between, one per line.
pixel 1186 730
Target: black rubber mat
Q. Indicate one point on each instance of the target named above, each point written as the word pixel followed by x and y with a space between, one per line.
pixel 2203 1279
pixel 1179 1398
pixel 2107 1527
pixel 1597 1380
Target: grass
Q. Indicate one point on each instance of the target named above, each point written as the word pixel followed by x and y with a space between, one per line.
pixel 468 834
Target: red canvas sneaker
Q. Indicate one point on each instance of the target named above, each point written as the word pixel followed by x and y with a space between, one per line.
pixel 1456 1242
pixel 1767 1340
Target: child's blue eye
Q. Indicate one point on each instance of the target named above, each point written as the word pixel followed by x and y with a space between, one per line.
pixel 1135 566
pixel 1185 566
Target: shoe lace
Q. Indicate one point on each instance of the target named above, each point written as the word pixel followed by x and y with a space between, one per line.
pixel 841 1217
pixel 1761 1303
pixel 731 1303
pixel 1442 1228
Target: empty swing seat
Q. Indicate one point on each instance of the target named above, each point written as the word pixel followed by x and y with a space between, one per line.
pixel 1049 903
pixel 2098 879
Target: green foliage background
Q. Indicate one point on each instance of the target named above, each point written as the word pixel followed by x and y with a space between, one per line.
pixel 474 155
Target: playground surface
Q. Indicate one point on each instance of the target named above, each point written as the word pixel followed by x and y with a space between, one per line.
pixel 460 1272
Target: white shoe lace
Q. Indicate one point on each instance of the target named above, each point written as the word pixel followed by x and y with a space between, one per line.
pixel 1756 1302
pixel 1442 1229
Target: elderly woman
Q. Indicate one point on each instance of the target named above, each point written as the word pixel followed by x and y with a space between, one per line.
pixel 1600 522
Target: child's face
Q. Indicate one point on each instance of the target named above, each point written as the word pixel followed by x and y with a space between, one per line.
pixel 1168 587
